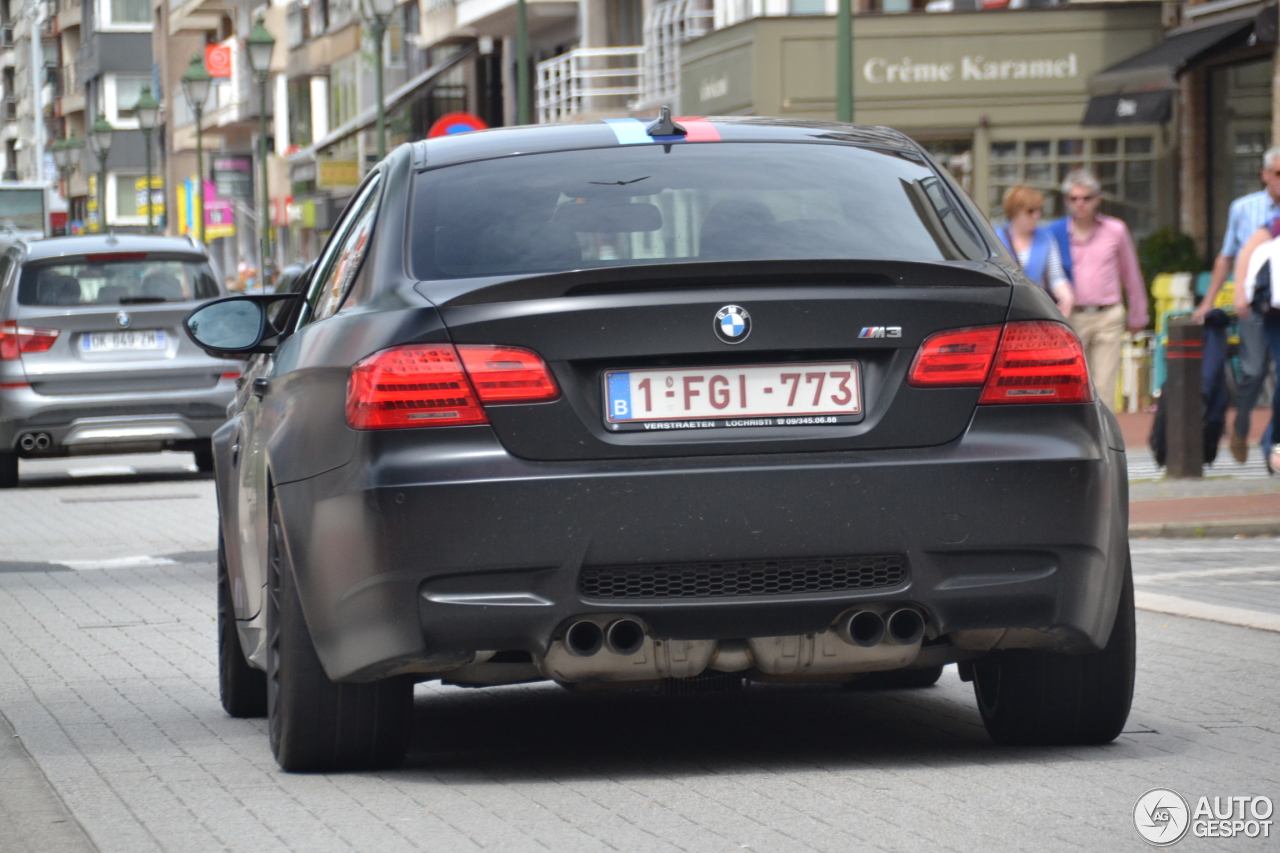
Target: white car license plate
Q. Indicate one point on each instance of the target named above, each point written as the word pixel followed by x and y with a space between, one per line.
pixel 131 341
pixel 748 396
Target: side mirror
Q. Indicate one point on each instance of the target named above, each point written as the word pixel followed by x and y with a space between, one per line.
pixel 236 325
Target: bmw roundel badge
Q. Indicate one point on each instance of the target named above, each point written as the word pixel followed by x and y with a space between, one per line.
pixel 732 324
pixel 123 320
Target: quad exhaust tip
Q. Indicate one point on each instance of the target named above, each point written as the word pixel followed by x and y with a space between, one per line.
pixel 864 628
pixel 35 441
pixel 905 626
pixel 583 638
pixel 624 637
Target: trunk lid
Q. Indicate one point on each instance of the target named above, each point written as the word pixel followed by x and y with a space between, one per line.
pixel 874 314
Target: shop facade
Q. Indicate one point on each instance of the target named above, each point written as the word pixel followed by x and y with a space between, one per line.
pixel 1218 68
pixel 997 97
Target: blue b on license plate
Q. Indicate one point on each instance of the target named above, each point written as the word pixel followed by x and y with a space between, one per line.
pixel 747 396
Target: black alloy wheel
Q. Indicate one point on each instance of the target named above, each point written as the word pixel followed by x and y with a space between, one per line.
pixel 1045 698
pixel 242 688
pixel 8 469
pixel 318 725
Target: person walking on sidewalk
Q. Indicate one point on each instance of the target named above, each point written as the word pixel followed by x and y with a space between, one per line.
pixel 1257 293
pixel 1104 270
pixel 1034 247
pixel 1247 222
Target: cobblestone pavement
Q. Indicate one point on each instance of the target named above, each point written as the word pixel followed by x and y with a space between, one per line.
pixel 107 676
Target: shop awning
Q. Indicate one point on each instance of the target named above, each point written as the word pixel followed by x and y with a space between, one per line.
pixel 393 101
pixel 1140 89
pixel 1138 108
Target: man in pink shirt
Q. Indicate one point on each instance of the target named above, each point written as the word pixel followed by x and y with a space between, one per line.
pixel 1104 268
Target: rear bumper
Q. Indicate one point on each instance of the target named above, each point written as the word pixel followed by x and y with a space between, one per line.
pixel 106 423
pixel 418 553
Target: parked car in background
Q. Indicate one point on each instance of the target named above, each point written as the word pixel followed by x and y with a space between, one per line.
pixel 92 355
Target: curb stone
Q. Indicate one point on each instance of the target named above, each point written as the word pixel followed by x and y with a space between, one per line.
pixel 1205 530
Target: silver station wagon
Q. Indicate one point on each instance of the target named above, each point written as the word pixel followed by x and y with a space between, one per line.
pixel 93 359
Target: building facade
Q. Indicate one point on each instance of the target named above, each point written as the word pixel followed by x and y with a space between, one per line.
pixel 998 97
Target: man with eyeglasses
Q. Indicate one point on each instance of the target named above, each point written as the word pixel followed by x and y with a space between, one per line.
pixel 1248 215
pixel 1104 270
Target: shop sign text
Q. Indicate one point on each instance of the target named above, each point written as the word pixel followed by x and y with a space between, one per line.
pixel 970 68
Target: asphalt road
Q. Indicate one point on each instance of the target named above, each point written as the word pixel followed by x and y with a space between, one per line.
pixel 108 682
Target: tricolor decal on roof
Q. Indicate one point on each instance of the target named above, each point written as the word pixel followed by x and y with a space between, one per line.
pixel 633 131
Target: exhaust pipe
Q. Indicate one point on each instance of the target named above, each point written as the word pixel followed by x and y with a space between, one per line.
pixel 624 637
pixel 863 628
pixel 906 627
pixel 583 639
pixel 28 442
pixel 43 441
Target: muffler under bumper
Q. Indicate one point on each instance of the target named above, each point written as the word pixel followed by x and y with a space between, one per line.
pixel 620 648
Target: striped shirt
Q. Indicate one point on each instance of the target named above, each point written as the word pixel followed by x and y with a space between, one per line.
pixel 1248 214
pixel 1053 271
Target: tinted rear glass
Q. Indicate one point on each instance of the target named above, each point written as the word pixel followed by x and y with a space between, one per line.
pixel 91 281
pixel 643 204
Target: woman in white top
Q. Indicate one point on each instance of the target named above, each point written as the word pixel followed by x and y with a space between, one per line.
pixel 1034 247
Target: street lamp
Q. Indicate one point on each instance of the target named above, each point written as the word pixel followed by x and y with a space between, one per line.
pixel 66 156
pixel 148 110
pixel 377 13
pixel 101 134
pixel 259 44
pixel 196 83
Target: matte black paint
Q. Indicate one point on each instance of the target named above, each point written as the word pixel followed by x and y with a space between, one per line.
pixel 1011 516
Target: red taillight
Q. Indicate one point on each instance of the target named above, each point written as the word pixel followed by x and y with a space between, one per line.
pixel 1038 362
pixel 508 374
pixel 957 357
pixel 440 385
pixel 1028 361
pixel 15 339
pixel 231 375
pixel 412 386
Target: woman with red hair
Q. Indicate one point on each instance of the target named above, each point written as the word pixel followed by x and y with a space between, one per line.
pixel 1034 247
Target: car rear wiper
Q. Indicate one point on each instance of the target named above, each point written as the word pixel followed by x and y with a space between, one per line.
pixel 141 300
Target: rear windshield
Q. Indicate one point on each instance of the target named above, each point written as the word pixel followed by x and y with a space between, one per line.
pixel 642 204
pixel 132 281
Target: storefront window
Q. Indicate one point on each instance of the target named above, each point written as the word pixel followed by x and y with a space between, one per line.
pixel 1239 100
pixel 1128 178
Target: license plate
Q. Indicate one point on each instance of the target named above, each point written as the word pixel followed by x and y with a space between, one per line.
pixel 719 397
pixel 132 341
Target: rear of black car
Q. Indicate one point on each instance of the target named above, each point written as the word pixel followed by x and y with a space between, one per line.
pixel 773 404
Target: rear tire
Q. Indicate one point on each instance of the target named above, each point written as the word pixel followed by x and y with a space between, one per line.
pixel 316 724
pixel 242 688
pixel 899 679
pixel 1045 698
pixel 204 459
pixel 8 469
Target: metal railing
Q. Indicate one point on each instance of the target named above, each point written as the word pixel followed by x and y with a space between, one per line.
pixel 593 80
pixel 668 26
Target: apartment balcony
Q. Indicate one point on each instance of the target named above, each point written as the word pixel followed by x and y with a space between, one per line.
pixel 497 17
pixel 69 16
pixel 668 26
pixel 589 82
